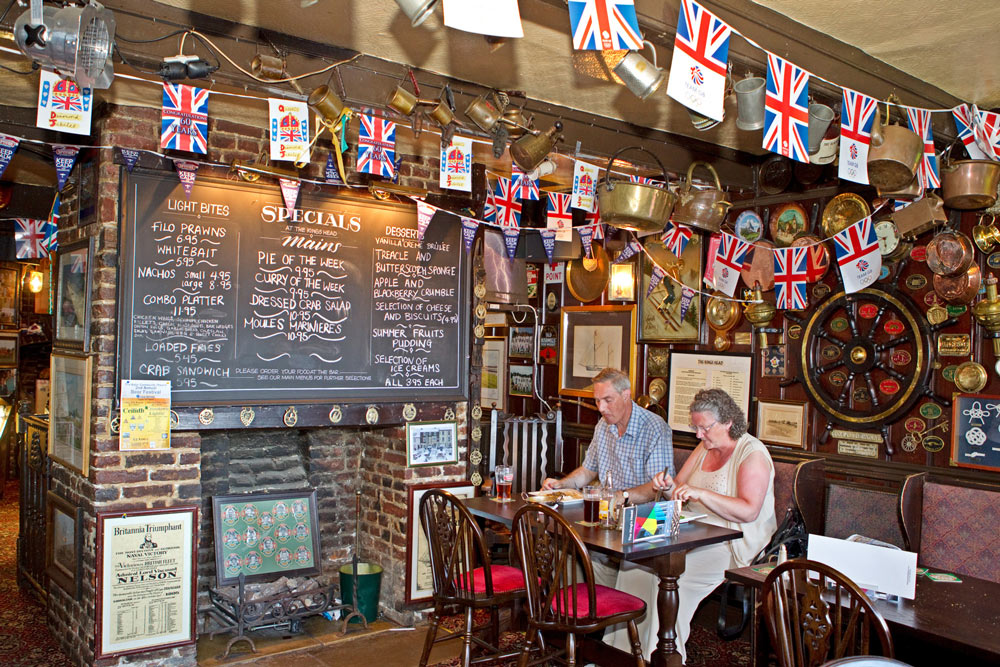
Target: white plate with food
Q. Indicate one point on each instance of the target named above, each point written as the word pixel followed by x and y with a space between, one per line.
pixel 565 496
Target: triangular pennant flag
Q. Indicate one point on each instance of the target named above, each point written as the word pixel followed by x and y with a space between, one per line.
pixel 858 255
pixel 29 235
pixel 676 237
pixel 654 279
pixel 687 295
pixel 927 170
pixel 728 263
pixel 604 25
pixel 966 131
pixel 628 252
pixel 701 54
pixel 186 171
pixel 330 173
pixel 548 242
pixel 290 193
pixel 856 117
pixel 424 214
pixel 8 145
pixel 511 235
pixel 65 158
pixel 131 156
pixel 586 236
pixel 500 18
pixel 469 227
pixel 786 109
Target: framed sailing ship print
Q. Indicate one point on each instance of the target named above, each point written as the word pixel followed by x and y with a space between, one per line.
pixel 593 338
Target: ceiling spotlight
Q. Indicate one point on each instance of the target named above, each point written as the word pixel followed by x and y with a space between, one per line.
pixel 417 10
pixel 76 42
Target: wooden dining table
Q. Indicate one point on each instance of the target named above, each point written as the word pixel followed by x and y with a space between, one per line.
pixel 663 555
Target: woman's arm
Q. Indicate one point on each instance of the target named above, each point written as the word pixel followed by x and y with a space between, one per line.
pixel 751 488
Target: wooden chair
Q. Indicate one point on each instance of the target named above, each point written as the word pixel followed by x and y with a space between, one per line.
pixel 464 576
pixel 533 446
pixel 809 624
pixel 549 549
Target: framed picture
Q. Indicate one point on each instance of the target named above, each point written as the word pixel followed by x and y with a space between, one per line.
pixel 660 313
pixel 581 453
pixel 593 338
pixel 69 410
pixel 431 443
pixel 975 432
pixel 657 361
pixel 73 285
pixel 783 422
pixel 521 376
pixel 262 534
pixel 9 298
pixel 8 382
pixel 522 343
pixel 62 543
pixel 41 396
pixel 492 393
pixel 419 580
pixel 136 611
pixel 8 350
pixel 690 373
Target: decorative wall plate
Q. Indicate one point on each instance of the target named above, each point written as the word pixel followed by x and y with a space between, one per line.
pixel 749 227
pixel 336 414
pixel 787 221
pixel 843 211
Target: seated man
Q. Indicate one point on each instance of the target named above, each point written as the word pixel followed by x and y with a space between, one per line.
pixel 630 444
pixel 730 478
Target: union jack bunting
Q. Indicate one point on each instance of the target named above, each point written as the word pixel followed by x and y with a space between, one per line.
pixel 987 132
pixel 632 178
pixel 593 220
pixel 701 51
pixel 858 255
pixel 790 269
pixel 676 237
pixel 965 126
pixel 601 25
pixel 490 208
pixel 51 227
pixel 728 263
pixel 786 109
pixel 376 146
pixel 508 206
pixel 856 117
pixel 29 237
pixel 927 170
pixel 526 188
pixel 184 118
pixel 559 215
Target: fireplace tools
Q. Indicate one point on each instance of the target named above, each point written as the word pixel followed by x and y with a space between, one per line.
pixel 354 565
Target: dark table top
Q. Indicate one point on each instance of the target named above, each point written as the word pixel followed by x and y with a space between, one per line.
pixel 963 615
pixel 691 535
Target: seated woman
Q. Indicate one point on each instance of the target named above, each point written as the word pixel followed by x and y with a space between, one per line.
pixel 730 478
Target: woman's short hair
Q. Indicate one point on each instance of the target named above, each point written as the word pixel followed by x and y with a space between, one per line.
pixel 723 408
pixel 616 378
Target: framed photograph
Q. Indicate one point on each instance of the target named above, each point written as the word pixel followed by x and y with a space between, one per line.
pixel 9 298
pixel 660 318
pixel 783 422
pixel 69 410
pixel 419 580
pixel 137 611
pixel 8 382
pixel 492 386
pixel 8 350
pixel 263 534
pixel 690 373
pixel 593 338
pixel 521 376
pixel 431 443
pixel 73 285
pixel 521 343
pixel 63 521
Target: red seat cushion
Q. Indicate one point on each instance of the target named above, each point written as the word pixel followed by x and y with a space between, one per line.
pixel 506 579
pixel 609 601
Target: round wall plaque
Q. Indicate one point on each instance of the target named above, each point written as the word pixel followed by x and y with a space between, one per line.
pixel 933 443
pixel 475 457
pixel 206 416
pixel 888 386
pixel 916 281
pixel 371 415
pixel 335 414
pixel 247 415
pixel 477 411
pixel 409 412
pixel 931 410
pixel 919 253
pixel 908 443
pixel 291 416
pixel 476 479
pixel 915 425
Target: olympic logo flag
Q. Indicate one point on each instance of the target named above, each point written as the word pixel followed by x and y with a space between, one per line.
pixel 701 53
pixel 927 170
pixel 965 126
pixel 858 255
pixel 786 110
pixel 728 263
pixel 601 25
pixel 856 118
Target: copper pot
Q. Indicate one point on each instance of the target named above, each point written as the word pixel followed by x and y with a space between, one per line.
pixel 960 288
pixel 894 154
pixel 949 253
pixel 970 184
pixel 704 209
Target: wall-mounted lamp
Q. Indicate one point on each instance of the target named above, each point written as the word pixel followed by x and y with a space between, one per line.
pixel 36 281
pixel 622 285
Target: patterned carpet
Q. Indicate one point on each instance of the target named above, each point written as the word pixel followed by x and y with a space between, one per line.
pixel 25 640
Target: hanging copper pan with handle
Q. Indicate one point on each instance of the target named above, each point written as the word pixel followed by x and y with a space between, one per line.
pixel 704 208
pixel 639 207
pixel 969 184
pixel 950 253
pixel 959 289
pixel 894 153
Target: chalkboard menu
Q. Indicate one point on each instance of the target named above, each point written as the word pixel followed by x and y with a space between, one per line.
pixel 234 299
pixel 976 431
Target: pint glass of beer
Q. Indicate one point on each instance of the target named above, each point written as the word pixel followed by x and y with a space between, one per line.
pixel 591 503
pixel 504 482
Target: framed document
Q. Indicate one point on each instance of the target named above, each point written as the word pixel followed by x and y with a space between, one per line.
pixel 593 338
pixel 783 422
pixel 146 564
pixel 69 410
pixel 690 373
pixel 419 579
pixel 493 383
pixel 9 298
pixel 62 543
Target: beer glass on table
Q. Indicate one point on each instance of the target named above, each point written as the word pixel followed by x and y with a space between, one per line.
pixel 591 504
pixel 504 483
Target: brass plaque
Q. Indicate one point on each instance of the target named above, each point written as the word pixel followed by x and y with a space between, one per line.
pixel 843 434
pixel 869 450
pixel 933 443
pixel 931 410
pixel 936 314
pixel 476 479
pixel 954 345
pixel 743 338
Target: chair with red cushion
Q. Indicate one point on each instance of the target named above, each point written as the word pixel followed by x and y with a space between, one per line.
pixel 558 602
pixel 464 576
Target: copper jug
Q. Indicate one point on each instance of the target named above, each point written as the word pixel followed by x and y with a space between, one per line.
pixel 529 151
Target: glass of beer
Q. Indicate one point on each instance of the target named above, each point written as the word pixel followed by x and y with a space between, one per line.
pixel 504 483
pixel 591 503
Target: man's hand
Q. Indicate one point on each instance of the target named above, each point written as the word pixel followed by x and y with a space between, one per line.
pixel 551 483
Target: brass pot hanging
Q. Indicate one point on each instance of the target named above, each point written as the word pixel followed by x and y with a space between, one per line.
pixel 640 207
pixel 970 184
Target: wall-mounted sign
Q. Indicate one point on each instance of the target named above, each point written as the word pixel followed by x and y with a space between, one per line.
pixel 868 450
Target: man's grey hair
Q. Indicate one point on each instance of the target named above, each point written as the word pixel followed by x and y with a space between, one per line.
pixel 723 408
pixel 616 378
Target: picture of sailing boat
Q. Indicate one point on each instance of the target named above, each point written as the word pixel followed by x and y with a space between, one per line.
pixel 596 348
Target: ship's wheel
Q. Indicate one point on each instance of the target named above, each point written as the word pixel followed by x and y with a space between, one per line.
pixel 865 358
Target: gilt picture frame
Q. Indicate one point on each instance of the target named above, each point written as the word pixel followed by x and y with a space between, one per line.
pixel 592 338
pixel 784 423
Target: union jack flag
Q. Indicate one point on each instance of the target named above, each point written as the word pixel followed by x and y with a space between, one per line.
pixel 289 128
pixel 29 238
pixel 786 110
pixel 376 146
pixel 508 206
pixel 526 188
pixel 676 237
pixel 490 208
pixel 790 269
pixel 558 214
pixel 600 25
pixel 965 126
pixel 644 180
pixel 728 263
pixel 987 132
pixel 593 220
pixel 856 117
pixel 701 53
pixel 184 118
pixel 927 170
pixel 858 255
pixel 66 96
